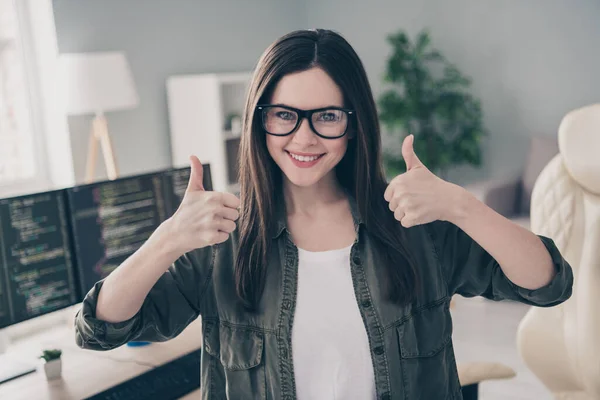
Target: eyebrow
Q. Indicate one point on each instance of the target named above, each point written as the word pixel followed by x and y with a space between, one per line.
pixel 315 108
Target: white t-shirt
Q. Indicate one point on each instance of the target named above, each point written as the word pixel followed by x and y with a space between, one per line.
pixel 330 346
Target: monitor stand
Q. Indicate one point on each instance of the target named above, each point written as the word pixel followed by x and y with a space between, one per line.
pixel 10 367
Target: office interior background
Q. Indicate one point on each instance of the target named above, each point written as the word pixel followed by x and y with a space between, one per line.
pixel 182 67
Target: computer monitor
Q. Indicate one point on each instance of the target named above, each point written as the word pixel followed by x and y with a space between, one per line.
pixel 112 219
pixel 36 268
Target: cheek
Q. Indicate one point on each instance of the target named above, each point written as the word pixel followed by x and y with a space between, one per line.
pixel 338 148
pixel 275 144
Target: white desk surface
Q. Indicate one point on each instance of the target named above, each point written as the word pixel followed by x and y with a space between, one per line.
pixel 87 372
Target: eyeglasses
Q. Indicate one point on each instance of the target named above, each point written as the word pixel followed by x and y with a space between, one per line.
pixel 328 122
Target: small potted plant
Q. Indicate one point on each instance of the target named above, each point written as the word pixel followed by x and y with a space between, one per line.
pixel 52 363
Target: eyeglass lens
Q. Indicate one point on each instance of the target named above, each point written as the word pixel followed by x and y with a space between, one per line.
pixel 282 121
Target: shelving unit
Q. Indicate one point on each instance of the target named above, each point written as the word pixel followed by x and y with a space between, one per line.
pixel 199 107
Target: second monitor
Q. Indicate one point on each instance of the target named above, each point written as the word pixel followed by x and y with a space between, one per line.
pixel 112 219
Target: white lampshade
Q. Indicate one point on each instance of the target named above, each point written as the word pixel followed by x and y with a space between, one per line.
pixel 96 83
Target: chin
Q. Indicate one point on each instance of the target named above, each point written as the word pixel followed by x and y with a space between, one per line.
pixel 303 181
pixel 306 177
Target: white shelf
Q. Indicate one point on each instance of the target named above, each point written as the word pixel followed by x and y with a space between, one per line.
pixel 198 107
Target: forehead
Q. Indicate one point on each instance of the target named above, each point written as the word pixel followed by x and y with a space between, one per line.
pixel 308 89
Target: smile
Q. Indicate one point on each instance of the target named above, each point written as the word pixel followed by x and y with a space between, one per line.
pixel 304 161
pixel 305 158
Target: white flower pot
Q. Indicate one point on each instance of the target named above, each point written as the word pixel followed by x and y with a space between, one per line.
pixel 53 369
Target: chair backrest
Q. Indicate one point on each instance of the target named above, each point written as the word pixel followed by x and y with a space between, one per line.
pixel 561 344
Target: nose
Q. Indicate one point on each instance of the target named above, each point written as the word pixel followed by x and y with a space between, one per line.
pixel 304 134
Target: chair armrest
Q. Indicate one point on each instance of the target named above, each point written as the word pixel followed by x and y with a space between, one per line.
pixel 470 373
pixel 498 194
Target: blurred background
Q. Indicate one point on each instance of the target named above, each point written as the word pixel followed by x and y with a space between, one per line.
pixel 94 90
pixel 529 62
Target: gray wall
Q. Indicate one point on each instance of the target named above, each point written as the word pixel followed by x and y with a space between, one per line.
pixel 163 38
pixel 531 61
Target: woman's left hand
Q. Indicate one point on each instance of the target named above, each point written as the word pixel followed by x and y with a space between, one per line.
pixel 418 196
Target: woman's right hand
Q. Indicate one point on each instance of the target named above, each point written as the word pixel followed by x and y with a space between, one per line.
pixel 204 217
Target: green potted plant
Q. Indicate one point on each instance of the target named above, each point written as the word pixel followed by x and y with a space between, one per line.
pixel 52 363
pixel 427 96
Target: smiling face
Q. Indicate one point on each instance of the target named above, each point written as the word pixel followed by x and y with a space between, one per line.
pixel 295 154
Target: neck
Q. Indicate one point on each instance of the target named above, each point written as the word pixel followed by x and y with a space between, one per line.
pixel 310 200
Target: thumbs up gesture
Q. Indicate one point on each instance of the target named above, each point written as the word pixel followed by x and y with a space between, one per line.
pixel 204 217
pixel 418 196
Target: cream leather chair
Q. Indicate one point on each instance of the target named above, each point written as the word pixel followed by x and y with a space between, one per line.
pixel 561 345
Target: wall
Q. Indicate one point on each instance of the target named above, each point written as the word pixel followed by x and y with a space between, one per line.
pixel 163 38
pixel 531 61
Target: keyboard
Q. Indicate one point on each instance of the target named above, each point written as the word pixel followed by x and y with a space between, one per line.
pixel 169 381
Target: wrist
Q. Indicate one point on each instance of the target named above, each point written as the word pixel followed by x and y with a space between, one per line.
pixel 167 241
pixel 461 204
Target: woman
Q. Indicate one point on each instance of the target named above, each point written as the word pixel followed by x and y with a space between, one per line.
pixel 333 284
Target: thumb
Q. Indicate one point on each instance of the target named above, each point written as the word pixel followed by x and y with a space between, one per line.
pixel 195 183
pixel 408 153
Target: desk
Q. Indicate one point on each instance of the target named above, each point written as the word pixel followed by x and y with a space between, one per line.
pixel 87 372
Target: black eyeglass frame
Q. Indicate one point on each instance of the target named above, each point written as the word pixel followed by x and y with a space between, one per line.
pixel 304 114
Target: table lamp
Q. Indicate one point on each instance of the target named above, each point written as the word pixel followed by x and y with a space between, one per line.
pixel 96 83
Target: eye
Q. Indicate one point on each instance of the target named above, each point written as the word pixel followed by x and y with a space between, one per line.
pixel 329 116
pixel 285 115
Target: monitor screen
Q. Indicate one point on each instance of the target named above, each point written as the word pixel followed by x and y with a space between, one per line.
pixel 36 269
pixel 112 219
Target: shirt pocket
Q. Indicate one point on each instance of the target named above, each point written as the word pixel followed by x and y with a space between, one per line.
pixel 240 351
pixel 427 355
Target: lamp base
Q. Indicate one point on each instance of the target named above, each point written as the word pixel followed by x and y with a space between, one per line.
pixel 99 133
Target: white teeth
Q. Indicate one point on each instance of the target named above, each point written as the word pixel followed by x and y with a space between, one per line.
pixel 304 158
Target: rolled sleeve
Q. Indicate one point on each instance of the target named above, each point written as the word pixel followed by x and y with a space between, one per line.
pixel 471 271
pixel 560 287
pixel 92 333
pixel 170 306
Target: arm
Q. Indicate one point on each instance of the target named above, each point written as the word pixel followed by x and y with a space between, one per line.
pixel 120 300
pixel 158 290
pixel 484 254
pixel 152 296
pixel 511 245
pixel 480 252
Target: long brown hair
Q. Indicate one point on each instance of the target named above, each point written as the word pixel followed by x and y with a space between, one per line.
pixel 360 171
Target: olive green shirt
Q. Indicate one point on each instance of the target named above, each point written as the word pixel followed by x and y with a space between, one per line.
pixel 249 355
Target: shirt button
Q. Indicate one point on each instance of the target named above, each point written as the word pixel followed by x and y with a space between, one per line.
pixel 356 260
pixel 366 304
pixel 378 350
